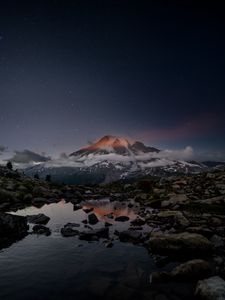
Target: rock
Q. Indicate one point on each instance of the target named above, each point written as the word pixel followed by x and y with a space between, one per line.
pixel 130 235
pixel 109 244
pixel 138 221
pixel 41 229
pixel 69 229
pixel 107 224
pixel 92 219
pixel 38 219
pixel 217 241
pixel 12 225
pixel 192 270
pixel 110 216
pixel 12 228
pixel 91 235
pixel 212 288
pixel 38 201
pixel 181 243
pixel 88 210
pixel 76 207
pixel 122 219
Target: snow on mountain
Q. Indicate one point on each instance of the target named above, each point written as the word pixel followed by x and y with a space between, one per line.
pixel 112 158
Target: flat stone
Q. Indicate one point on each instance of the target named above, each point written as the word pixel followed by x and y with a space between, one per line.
pixel 38 219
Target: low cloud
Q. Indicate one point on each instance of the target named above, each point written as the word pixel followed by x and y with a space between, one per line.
pixel 27 156
pixel 2 149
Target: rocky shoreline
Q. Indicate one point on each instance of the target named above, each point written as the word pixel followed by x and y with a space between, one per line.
pixel 185 215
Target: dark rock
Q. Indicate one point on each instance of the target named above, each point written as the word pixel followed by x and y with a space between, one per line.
pixel 77 207
pixel 38 201
pixel 130 235
pixel 192 270
pixel 92 219
pixel 69 229
pixel 88 210
pixel 91 235
pixel 138 222
pixel 180 243
pixel 122 219
pixel 38 219
pixel 41 229
pixel 12 228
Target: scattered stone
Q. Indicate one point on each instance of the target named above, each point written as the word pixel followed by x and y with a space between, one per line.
pixel 92 219
pixel 88 210
pixel 122 219
pixel 91 235
pixel 212 288
pixel 130 236
pixel 41 229
pixel 38 219
pixel 69 229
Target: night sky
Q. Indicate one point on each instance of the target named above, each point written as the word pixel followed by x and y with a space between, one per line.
pixel 73 71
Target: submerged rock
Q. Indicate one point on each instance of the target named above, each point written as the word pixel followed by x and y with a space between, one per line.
pixel 41 229
pixel 181 243
pixel 38 219
pixel 212 288
pixel 91 235
pixel 130 235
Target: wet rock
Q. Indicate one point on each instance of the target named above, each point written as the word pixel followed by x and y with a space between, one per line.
pixel 130 235
pixel 91 235
pixel 122 219
pixel 212 288
pixel 88 210
pixel 108 244
pixel 108 224
pixel 110 216
pixel 41 229
pixel 76 207
pixel 38 219
pixel 69 229
pixel 181 243
pixel 92 219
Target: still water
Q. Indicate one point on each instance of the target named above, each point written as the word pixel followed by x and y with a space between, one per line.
pixel 55 267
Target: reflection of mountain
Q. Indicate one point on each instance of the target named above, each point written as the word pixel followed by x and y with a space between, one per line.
pixel 109 159
pixel 116 209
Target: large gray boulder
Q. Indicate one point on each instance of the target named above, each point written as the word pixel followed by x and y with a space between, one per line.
pixel 181 243
pixel 212 288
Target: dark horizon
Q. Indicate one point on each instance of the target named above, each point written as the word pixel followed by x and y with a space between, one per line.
pixel 76 71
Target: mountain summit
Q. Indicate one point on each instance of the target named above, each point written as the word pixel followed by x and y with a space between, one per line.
pixel 113 144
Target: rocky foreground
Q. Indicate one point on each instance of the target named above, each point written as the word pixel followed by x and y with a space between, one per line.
pixel 185 215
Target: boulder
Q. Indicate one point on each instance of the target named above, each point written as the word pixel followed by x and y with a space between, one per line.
pixel 91 235
pixel 92 219
pixel 38 219
pixel 122 219
pixel 130 236
pixel 41 229
pixel 192 270
pixel 69 229
pixel 12 225
pixel 212 288
pixel 181 243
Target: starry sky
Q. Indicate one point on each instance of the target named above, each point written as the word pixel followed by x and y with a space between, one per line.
pixel 73 71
